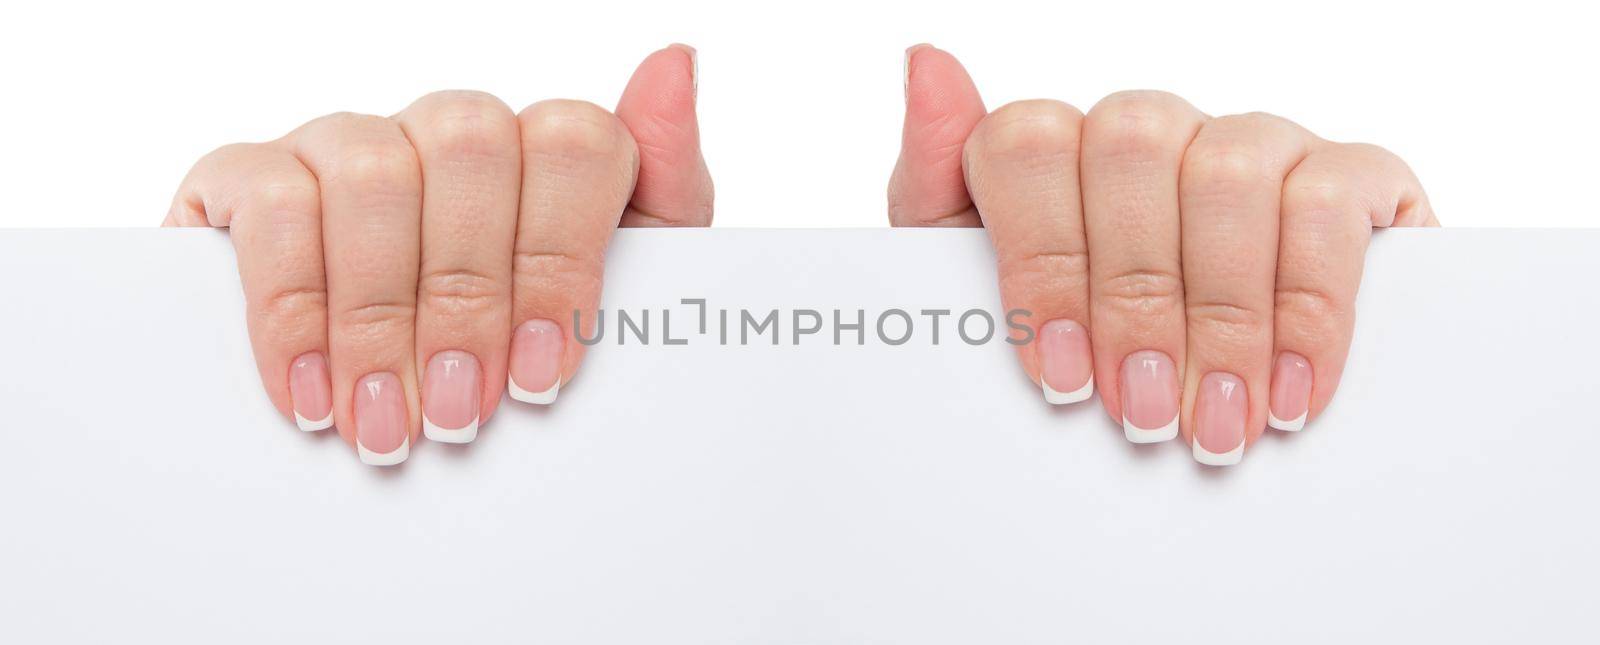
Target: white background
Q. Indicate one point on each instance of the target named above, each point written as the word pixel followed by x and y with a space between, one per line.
pixel 106 107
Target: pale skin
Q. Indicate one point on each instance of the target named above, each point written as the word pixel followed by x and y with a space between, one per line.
pixel 402 272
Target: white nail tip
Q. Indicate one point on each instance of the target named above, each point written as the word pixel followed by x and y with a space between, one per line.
pixel 446 435
pixel 1294 425
pixel 1209 458
pixel 390 458
pixel 694 72
pixel 312 426
pixel 905 76
pixel 541 398
pixel 1062 398
pixel 1136 434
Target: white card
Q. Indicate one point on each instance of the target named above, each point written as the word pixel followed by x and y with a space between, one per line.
pixel 799 493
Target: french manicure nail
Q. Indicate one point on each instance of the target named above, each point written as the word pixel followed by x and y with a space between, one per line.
pixel 1149 397
pixel 1066 371
pixel 535 362
pixel 1220 410
pixel 451 388
pixel 381 435
pixel 1290 400
pixel 694 71
pixel 905 74
pixel 311 392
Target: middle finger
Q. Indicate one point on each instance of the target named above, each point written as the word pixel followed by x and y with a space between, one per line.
pixel 471 168
pixel 1133 144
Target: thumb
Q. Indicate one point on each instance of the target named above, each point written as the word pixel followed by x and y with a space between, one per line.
pixel 942 106
pixel 658 106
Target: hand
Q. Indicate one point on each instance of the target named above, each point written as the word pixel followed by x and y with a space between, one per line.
pixel 396 270
pixel 1216 260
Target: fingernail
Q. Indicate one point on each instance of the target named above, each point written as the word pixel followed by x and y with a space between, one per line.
pixel 905 75
pixel 311 392
pixel 694 71
pixel 451 386
pixel 1290 399
pixel 694 66
pixel 535 362
pixel 1220 410
pixel 1149 397
pixel 381 436
pixel 1065 369
pixel 905 71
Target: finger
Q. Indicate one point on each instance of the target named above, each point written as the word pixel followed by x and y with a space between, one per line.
pixel 372 208
pixel 1331 201
pixel 471 158
pixel 942 107
pixel 1133 144
pixel 1228 195
pixel 270 203
pixel 578 169
pixel 658 107
pixel 1022 169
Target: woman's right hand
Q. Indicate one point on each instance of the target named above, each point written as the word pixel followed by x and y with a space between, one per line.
pixel 1200 271
pixel 397 271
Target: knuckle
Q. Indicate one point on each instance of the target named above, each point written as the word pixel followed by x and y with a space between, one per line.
pixel 461 291
pixel 1139 123
pixel 1316 192
pixel 1312 305
pixel 1142 292
pixel 1046 275
pixel 378 167
pixel 1036 128
pixel 368 153
pixel 376 319
pixel 292 304
pixel 1227 321
pixel 233 164
pixel 1074 262
pixel 1237 152
pixel 468 124
pixel 554 272
pixel 285 196
pixel 247 181
pixel 1217 166
pixel 1390 193
pixel 576 129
